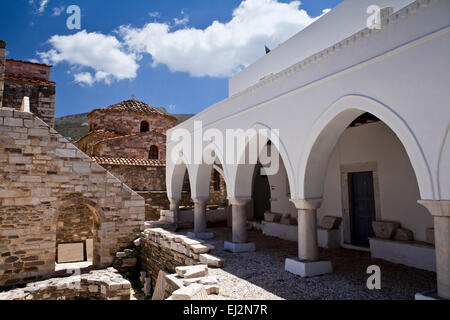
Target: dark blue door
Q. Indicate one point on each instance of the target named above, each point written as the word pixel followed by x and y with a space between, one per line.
pixel 362 207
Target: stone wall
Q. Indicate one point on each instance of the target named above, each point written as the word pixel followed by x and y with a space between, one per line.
pixel 75 224
pixel 2 68
pixel 140 178
pixel 163 250
pixel 132 147
pixel 41 174
pixel 96 285
pixel 25 79
pixel 128 122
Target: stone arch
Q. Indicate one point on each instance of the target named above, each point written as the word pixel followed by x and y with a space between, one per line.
pixel 98 219
pixel 243 173
pixel 328 129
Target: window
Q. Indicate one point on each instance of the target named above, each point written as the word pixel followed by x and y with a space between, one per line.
pixel 216 180
pixel 145 127
pixel 154 153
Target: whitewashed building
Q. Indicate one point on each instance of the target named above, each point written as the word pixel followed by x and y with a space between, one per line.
pixel 363 118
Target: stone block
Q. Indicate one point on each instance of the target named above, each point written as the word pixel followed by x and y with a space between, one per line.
pixel 192 271
pixel 404 235
pixel 285 219
pixel 199 248
pixel 160 287
pixel 239 247
pixel 272 217
pixel 385 230
pixel 430 236
pixel 211 261
pixel 90 249
pixel 193 292
pixel 306 269
pixel 129 262
pixel 212 289
pixel 70 252
pixel 331 223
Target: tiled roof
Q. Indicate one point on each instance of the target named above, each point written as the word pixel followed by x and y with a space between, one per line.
pixel 130 162
pixel 29 62
pixel 134 106
pixel 40 81
pixel 103 133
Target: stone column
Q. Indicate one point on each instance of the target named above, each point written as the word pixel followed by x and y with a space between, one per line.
pixel 308 264
pixel 175 209
pixel 200 219
pixel 2 69
pixel 441 213
pixel 239 227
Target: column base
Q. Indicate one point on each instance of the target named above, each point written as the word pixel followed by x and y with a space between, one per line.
pixel 201 235
pixel 239 247
pixel 426 297
pixel 306 269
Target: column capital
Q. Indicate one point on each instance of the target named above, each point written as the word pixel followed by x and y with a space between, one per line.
pixel 437 208
pixel 200 200
pixel 238 201
pixel 307 204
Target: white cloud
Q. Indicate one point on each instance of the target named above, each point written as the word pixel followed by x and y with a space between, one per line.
pixel 57 11
pixel 42 6
pixel 102 54
pixel 182 21
pixel 84 78
pixel 222 49
pixel 154 14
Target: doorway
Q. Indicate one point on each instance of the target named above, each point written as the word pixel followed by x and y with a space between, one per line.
pixel 362 207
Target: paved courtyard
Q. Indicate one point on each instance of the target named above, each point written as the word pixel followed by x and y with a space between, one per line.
pixel 261 275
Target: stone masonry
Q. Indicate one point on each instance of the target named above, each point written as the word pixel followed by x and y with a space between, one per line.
pixel 2 69
pixel 26 79
pixel 163 250
pixel 41 175
pixel 97 285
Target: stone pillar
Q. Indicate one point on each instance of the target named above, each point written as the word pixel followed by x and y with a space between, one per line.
pixel 174 208
pixel 239 227
pixel 2 68
pixel 441 213
pixel 308 264
pixel 200 214
pixel 200 219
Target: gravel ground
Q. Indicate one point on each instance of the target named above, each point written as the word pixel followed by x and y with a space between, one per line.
pixel 260 275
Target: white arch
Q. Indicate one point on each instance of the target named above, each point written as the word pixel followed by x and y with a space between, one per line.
pixel 202 173
pixel 175 173
pixel 245 171
pixel 328 129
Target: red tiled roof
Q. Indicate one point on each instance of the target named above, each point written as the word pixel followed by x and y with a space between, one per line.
pixel 103 133
pixel 29 62
pixel 40 81
pixel 133 106
pixel 130 162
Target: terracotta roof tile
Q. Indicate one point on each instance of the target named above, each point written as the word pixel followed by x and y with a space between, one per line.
pixel 133 106
pixel 130 162
pixel 40 81
pixel 29 62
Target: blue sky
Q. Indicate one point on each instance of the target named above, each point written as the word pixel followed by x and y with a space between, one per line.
pixel 168 53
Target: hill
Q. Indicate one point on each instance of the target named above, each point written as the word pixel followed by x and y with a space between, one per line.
pixel 75 126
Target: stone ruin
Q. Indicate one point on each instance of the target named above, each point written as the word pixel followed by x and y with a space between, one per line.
pixel 97 285
pixel 43 176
